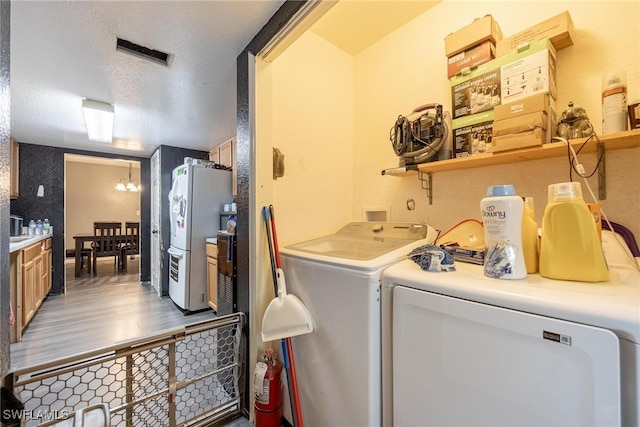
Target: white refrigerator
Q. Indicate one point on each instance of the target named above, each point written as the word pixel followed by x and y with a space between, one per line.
pixel 195 200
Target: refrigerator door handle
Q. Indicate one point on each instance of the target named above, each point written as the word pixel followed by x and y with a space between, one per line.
pixel 175 253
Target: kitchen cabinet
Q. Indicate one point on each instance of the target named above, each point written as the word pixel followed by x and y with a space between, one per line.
pixel 30 277
pixel 212 275
pixel 45 282
pixel 225 155
pixel 36 278
pixel 214 155
pixel 15 170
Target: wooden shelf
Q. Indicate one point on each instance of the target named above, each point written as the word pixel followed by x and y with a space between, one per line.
pixel 614 141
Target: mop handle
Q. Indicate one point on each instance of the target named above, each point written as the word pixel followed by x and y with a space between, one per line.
pixel 294 383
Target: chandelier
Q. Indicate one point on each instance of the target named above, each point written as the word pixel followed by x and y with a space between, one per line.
pixel 128 186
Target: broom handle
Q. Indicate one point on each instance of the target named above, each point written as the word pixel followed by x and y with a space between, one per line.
pixel 265 214
pixel 275 236
pixel 283 342
pixel 292 365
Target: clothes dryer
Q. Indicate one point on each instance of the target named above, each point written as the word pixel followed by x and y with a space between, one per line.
pixel 464 349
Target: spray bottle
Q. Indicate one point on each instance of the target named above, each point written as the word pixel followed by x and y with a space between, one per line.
pixel 614 102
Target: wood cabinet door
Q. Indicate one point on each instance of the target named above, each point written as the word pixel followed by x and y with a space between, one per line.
pixel 46 273
pixel 226 154
pixel 212 281
pixel 214 155
pixel 15 170
pixel 28 292
pixel 38 269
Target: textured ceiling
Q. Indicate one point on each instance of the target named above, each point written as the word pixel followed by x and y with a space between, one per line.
pixel 62 51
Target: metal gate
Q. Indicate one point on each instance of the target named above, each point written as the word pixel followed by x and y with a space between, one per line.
pixel 184 377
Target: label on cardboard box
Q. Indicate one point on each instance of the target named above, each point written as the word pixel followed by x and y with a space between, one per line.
pixel 481 29
pixel 478 94
pixel 558 29
pixel 517 75
pixel 530 75
pixel 472 135
pixel 470 58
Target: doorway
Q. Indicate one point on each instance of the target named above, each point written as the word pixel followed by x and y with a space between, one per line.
pixel 90 195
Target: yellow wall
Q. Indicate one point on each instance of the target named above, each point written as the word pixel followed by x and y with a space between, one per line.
pixel 408 69
pixel 313 128
pixel 332 113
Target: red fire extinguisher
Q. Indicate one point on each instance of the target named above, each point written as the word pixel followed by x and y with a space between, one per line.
pixel 267 384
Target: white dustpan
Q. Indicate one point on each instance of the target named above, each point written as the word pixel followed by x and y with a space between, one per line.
pixel 286 316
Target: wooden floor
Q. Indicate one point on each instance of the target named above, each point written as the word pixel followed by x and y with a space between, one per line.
pixel 97 311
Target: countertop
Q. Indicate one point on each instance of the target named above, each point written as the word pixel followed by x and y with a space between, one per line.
pixel 213 240
pixel 20 242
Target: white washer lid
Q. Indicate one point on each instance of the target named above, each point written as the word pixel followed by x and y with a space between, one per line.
pixel 364 245
pixel 364 240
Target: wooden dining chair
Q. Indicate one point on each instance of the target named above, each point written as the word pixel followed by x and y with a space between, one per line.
pixel 130 242
pixel 106 242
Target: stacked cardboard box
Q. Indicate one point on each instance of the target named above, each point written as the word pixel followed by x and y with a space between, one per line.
pixel 472 45
pixel 524 123
pixel 558 29
pixel 466 50
pixel 472 134
pixel 527 71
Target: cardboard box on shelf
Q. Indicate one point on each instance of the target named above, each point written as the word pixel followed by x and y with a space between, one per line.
pixel 469 59
pixel 480 92
pixel 472 134
pixel 524 72
pixel 541 103
pixel 558 29
pixel 528 105
pixel 481 29
pixel 524 123
pixel 529 70
pixel 515 141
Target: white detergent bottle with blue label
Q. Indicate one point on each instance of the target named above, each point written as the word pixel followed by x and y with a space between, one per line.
pixel 502 212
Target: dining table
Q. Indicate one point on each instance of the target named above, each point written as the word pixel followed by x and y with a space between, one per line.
pixel 80 240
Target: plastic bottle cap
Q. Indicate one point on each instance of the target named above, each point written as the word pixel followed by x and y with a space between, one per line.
pixel 501 190
pixel 565 191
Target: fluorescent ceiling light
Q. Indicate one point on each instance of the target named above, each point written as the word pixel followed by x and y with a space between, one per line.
pixel 98 116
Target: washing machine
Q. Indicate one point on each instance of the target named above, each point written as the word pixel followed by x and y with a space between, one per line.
pixel 337 277
pixel 463 349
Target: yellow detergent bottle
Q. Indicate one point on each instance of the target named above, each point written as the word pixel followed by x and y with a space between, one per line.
pixel 530 236
pixel 569 247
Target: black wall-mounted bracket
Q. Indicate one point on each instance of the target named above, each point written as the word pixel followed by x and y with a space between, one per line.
pixel 426 184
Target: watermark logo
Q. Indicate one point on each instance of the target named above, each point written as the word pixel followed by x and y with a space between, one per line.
pixel 41 416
